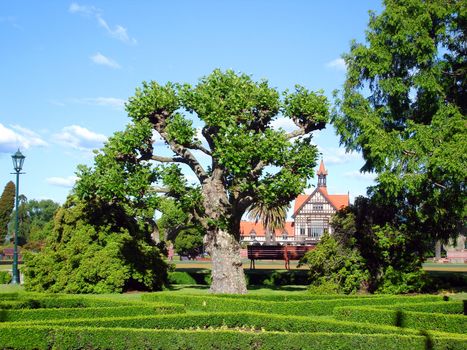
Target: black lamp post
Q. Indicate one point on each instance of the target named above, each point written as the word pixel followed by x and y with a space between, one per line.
pixel 18 160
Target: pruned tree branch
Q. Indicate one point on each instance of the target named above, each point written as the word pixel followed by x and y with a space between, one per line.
pixel 202 149
pixel 168 159
pixel 295 133
pixel 160 125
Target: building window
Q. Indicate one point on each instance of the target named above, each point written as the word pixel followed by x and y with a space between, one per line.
pixel 317 207
pixel 302 231
pixel 284 236
pixel 309 232
pixel 317 229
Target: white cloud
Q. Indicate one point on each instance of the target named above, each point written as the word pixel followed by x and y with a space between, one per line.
pixel 62 181
pixel 118 32
pixel 285 123
pixel 99 58
pixel 333 155
pixel 84 10
pixel 337 64
pixel 18 137
pixel 80 138
pixel 101 101
pixel 360 176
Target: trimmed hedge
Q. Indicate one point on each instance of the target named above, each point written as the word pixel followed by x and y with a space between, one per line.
pixel 230 320
pixel 59 301
pixel 9 296
pixel 400 318
pixel 298 308
pixel 46 337
pixel 89 312
pixel 305 296
pixel 444 307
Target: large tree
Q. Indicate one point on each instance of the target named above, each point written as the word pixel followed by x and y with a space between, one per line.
pixel 242 160
pixel 7 202
pixel 404 105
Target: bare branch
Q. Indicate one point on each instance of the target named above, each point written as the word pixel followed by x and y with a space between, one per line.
pixel 160 124
pixel 168 159
pixel 296 133
pixel 440 186
pixel 202 149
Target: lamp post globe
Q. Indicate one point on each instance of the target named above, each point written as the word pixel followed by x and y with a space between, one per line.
pixel 18 161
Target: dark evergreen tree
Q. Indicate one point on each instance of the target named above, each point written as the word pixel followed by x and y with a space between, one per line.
pixel 7 203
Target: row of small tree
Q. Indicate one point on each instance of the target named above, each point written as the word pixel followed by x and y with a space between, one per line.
pixel 35 218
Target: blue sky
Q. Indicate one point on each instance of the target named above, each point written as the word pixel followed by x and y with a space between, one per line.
pixel 68 67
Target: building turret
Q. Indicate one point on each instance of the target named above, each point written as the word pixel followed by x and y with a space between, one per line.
pixel 322 173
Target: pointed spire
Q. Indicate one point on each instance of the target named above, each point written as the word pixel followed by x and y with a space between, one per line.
pixel 322 173
pixel 322 170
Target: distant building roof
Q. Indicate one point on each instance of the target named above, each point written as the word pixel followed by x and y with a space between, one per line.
pixel 246 227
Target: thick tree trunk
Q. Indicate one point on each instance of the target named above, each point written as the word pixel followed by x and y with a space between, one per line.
pixel 227 270
pixel 437 250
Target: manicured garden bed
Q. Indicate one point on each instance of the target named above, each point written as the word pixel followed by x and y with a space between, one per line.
pixel 258 320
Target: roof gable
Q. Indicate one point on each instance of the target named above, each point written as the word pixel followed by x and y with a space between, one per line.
pixel 338 201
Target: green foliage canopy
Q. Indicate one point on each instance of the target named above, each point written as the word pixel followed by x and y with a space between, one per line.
pixel 403 106
pixel 236 113
pixel 189 243
pixel 392 250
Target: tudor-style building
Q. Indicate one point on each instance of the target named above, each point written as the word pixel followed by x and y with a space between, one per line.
pixel 312 214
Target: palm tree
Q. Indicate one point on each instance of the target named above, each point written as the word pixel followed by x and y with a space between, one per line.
pixel 272 218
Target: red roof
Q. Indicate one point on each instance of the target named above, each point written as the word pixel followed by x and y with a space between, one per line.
pixel 339 201
pixel 246 227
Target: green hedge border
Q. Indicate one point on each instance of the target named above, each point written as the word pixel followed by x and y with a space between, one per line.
pixel 400 318
pixel 89 312
pixel 46 337
pixel 297 308
pixel 228 319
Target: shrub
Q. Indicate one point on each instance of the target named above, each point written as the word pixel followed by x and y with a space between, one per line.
pixel 303 308
pixel 445 307
pixel 418 320
pixel 252 320
pixel 5 277
pixel 95 248
pixel 46 337
pixel 335 268
pixel 90 312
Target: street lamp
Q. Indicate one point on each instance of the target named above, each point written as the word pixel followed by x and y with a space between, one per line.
pixel 18 160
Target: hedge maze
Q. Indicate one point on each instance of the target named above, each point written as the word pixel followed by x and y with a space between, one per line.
pixel 280 320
